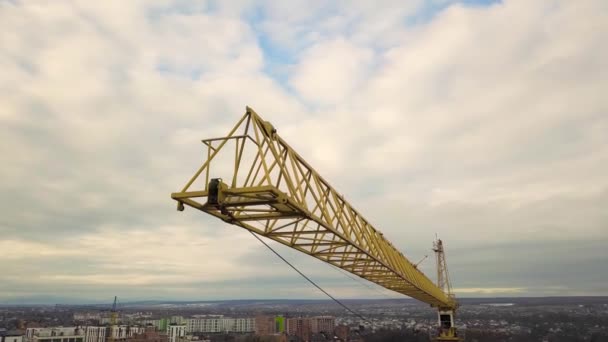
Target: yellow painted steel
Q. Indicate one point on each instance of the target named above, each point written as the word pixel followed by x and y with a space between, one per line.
pixel 271 190
pixel 113 321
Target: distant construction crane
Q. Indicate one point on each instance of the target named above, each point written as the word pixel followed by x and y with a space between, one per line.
pixel 270 190
pixel 113 320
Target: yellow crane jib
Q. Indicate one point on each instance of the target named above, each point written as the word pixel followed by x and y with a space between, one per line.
pixel 269 189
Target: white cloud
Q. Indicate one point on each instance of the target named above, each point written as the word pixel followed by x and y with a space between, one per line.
pixel 21 249
pixel 328 72
pixel 490 291
pixel 485 124
pixel 297 25
pixel 159 256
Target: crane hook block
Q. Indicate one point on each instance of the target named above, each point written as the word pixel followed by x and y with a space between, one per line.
pixel 216 191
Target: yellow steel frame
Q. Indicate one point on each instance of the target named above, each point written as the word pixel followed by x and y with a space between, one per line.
pixel 272 191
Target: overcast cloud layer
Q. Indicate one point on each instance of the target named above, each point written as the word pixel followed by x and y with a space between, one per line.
pixel 484 122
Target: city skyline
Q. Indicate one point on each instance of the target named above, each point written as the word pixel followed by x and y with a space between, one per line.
pixel 521 320
pixel 483 122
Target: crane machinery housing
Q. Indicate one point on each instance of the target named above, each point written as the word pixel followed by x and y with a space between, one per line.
pixel 267 188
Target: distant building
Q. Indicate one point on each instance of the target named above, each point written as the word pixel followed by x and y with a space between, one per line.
pixel 265 325
pixel 179 320
pixel 305 327
pixel 299 327
pixel 87 316
pixel 81 334
pixel 95 334
pixel 321 337
pixel 57 334
pixel 11 336
pixel 342 332
pixel 212 324
pixel 122 332
pixel 103 320
pixel 323 324
pixel 175 332
pixel 239 325
pixel 220 324
pixel 159 324
pixel 279 324
pixel 149 335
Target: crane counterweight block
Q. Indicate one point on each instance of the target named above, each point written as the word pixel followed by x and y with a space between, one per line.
pixel 269 189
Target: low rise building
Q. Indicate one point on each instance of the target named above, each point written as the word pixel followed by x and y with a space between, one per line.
pixel 81 334
pixel 56 334
pixel 11 336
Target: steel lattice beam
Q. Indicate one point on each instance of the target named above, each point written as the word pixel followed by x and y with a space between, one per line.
pixel 272 191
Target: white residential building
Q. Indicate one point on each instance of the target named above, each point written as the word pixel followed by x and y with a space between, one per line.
pixel 124 331
pixel 220 324
pixel 80 334
pixel 56 334
pixel 95 334
pixel 175 332
pixel 10 336
pixel 239 325
pixel 87 316
pixel 159 324
pixel 208 325
pixel 179 320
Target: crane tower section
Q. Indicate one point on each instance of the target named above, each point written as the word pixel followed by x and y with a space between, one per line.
pixel 113 321
pixel 443 278
pixel 447 331
pixel 253 179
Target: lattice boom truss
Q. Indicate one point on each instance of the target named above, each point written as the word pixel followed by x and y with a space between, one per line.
pixel 272 191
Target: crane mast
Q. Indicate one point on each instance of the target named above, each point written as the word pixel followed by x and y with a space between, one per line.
pixel 445 315
pixel 113 320
pixel 253 179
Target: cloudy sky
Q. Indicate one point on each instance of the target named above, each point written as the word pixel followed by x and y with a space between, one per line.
pixel 483 122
